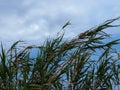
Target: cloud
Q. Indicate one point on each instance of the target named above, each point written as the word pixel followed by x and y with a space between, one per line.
pixel 36 20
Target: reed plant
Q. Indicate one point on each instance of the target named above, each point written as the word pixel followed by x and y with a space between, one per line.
pixel 87 62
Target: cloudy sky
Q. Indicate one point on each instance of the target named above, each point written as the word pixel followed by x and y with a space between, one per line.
pixel 35 20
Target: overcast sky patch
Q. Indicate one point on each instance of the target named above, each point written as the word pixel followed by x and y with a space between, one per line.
pixel 36 20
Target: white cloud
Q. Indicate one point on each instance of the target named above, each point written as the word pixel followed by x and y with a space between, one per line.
pixel 36 20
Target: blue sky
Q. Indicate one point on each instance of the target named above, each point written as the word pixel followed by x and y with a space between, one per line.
pixel 35 20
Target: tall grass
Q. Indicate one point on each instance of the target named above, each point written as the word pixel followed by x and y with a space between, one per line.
pixel 87 62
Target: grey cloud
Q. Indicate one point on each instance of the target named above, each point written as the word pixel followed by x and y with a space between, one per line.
pixel 9 7
pixel 36 19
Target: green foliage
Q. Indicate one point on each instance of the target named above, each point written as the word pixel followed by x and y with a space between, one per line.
pixel 86 62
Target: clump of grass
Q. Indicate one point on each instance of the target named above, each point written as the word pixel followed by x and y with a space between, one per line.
pixel 86 62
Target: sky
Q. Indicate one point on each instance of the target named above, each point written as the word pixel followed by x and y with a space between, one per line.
pixel 35 20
